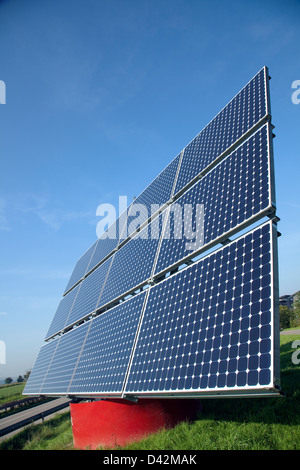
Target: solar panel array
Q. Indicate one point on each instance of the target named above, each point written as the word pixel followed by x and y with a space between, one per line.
pixel 209 326
pixel 185 303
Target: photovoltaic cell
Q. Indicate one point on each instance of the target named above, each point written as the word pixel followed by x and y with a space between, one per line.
pixel 105 356
pixel 41 366
pixel 63 362
pixel 244 111
pixel 159 191
pixel 156 194
pixel 132 264
pixel 233 192
pixel 62 312
pixel 92 358
pixel 106 243
pixel 87 299
pixel 209 327
pixel 80 267
pixel 125 270
pixel 102 248
pixel 129 267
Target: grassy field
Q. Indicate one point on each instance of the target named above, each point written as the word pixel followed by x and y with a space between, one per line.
pixel 11 392
pixel 224 424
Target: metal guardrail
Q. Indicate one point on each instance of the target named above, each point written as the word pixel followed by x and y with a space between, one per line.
pixel 14 404
pixel 32 418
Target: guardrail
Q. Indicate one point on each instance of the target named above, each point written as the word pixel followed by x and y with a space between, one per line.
pixel 32 418
pixel 11 405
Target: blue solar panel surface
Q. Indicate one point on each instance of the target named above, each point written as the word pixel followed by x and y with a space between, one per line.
pixel 125 270
pixel 104 247
pixel 63 362
pixel 87 299
pixel 40 368
pixel 105 356
pixel 233 192
pixel 210 325
pixel 156 194
pixel 92 358
pixel 160 190
pixel 207 328
pixel 132 265
pixel 244 111
pixel 81 267
pixel 62 313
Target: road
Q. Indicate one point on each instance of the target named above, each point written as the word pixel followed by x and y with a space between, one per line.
pixel 22 418
pixel 291 332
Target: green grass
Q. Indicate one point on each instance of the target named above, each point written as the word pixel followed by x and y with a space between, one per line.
pixel 53 434
pixel 224 424
pixel 11 392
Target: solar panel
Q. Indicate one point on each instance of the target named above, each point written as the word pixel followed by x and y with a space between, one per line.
pixel 131 267
pixel 90 359
pixel 80 267
pixel 126 270
pixel 80 301
pixel 233 193
pixel 62 313
pixel 156 194
pixel 40 368
pixel 132 321
pixel 102 248
pixel 161 189
pixel 210 327
pixel 247 110
pixel 106 244
pixel 87 299
pixel 104 360
pixel 63 362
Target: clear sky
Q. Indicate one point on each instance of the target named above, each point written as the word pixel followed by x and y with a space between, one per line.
pixel 100 97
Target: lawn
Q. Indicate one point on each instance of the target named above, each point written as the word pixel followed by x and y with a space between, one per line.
pixel 224 424
pixel 11 392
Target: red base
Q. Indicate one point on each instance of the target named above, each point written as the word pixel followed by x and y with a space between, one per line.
pixel 110 423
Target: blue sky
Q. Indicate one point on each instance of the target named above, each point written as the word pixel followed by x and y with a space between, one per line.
pixel 100 97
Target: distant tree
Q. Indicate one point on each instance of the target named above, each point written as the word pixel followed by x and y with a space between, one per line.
pixel 26 376
pixel 296 319
pixel 8 380
pixel 20 378
pixel 285 316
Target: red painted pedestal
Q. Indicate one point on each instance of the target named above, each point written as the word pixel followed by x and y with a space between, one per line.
pixel 109 423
